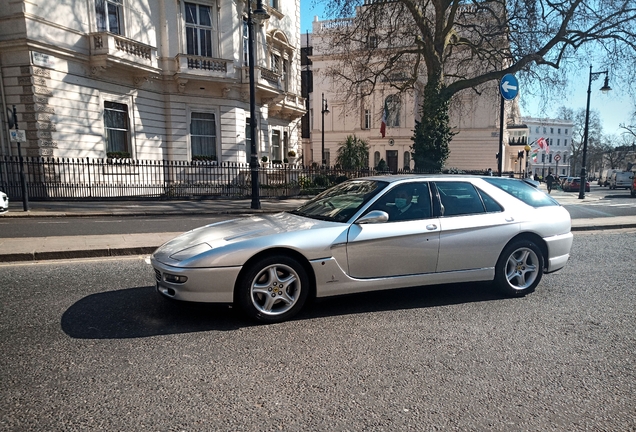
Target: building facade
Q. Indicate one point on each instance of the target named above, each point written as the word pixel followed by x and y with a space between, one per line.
pixel 558 135
pixel 474 116
pixel 149 79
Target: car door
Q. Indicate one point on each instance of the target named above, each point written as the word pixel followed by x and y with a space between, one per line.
pixel 396 247
pixel 474 228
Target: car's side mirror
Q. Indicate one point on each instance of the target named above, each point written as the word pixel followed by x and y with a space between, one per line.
pixel 375 216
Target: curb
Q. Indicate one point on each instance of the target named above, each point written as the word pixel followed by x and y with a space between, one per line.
pixel 73 254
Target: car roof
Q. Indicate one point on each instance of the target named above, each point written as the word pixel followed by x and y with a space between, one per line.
pixel 393 178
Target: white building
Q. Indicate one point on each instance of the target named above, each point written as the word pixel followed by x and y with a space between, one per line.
pixel 558 134
pixel 475 118
pixel 149 79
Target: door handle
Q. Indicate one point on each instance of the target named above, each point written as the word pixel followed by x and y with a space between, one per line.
pixel 510 219
pixel 431 227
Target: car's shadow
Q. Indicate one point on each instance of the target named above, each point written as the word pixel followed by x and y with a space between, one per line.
pixel 141 312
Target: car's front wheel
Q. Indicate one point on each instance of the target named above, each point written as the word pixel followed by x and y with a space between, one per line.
pixel 519 268
pixel 273 289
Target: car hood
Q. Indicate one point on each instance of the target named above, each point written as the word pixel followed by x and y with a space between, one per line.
pixel 254 230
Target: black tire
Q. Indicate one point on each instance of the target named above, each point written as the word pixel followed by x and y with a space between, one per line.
pixel 519 268
pixel 273 289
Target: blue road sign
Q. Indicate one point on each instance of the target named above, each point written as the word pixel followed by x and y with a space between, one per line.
pixel 509 87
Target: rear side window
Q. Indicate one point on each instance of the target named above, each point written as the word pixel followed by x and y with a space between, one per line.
pixel 523 191
pixel 492 206
pixel 459 198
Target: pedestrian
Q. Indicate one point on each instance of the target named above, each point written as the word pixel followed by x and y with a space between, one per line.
pixel 489 172
pixel 549 180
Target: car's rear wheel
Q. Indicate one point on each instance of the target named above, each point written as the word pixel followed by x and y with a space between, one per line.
pixel 519 268
pixel 273 289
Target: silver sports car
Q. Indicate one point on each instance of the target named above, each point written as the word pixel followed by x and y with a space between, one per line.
pixel 373 233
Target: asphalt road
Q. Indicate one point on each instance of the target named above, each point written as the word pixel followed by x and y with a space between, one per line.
pixel 89 345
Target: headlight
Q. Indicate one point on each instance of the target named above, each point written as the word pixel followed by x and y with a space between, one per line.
pixel 191 252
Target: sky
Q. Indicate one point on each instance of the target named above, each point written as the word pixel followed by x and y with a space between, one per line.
pixel 614 108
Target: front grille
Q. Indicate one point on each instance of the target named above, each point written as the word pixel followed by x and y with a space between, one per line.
pixel 158 275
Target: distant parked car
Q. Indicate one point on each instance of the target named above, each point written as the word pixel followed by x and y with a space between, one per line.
pixel 633 187
pixel 621 179
pixel 574 185
pixel 4 202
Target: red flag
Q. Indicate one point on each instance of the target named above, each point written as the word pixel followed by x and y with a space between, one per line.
pixel 385 113
pixel 543 143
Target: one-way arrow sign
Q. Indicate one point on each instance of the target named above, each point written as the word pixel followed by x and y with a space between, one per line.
pixel 509 87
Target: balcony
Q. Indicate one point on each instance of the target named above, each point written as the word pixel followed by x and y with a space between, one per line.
pixel 108 49
pixel 193 66
pixel 267 81
pixel 290 106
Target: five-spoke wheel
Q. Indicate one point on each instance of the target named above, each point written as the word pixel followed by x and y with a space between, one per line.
pixel 273 289
pixel 519 268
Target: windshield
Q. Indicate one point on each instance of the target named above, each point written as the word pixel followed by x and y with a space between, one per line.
pixel 523 191
pixel 341 202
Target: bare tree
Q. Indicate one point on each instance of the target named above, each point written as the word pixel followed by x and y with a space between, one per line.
pixel 443 47
pixel 595 134
pixel 630 129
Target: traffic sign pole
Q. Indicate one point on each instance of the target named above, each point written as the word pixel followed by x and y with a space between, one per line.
pixel 509 89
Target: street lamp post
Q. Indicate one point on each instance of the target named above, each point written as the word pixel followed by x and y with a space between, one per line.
pixel 262 14
pixel 324 109
pixel 604 89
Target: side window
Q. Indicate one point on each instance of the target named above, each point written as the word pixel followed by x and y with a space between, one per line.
pixel 199 30
pixel 459 198
pixel 117 129
pixel 405 202
pixel 203 136
pixel 109 17
pixel 492 206
pixel 392 110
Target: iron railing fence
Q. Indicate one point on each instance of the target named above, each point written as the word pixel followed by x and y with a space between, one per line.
pixel 99 179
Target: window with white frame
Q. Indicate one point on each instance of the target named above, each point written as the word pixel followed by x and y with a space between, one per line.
pixel 109 16
pixel 246 43
pixel 200 30
pixel 248 140
pixel 393 107
pixel 117 129
pixel 276 151
pixel 367 119
pixel 407 160
pixel 376 158
pixel 203 136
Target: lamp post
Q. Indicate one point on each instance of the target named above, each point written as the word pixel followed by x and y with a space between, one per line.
pixel 261 14
pixel 324 109
pixel 604 89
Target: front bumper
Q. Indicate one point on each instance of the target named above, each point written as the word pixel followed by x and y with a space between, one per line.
pixel 205 285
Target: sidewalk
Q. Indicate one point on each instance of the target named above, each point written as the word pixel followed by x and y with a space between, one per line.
pixel 66 247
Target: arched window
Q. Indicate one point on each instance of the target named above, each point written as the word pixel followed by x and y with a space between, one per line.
pixel 392 105
pixel 376 158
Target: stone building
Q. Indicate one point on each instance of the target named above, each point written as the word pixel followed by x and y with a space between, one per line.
pixel 475 117
pixel 558 135
pixel 149 79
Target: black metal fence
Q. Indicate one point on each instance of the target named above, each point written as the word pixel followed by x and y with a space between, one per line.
pixel 85 178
